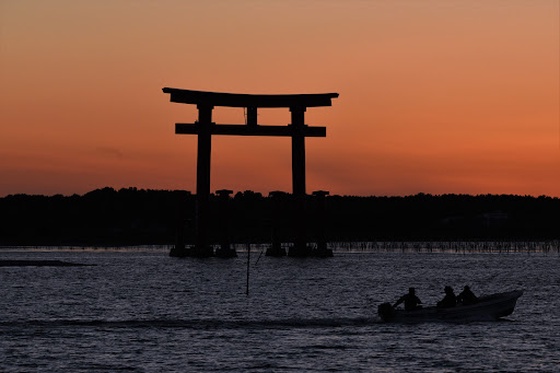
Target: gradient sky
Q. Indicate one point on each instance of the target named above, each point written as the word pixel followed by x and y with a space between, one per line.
pixel 436 96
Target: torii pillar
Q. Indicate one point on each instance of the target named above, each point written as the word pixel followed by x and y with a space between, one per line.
pixel 204 128
pixel 299 247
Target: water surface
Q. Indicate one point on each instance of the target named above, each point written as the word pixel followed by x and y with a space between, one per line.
pixel 141 311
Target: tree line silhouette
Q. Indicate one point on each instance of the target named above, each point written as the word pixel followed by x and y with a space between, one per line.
pixel 133 216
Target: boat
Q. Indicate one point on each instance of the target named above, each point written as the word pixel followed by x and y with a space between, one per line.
pixel 489 307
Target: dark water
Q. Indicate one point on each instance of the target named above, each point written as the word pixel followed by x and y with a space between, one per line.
pixel 145 312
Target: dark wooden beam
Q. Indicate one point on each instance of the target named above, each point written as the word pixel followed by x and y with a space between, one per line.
pixel 251 130
pixel 185 96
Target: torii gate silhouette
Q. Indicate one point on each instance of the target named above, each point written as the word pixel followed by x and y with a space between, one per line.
pixel 204 128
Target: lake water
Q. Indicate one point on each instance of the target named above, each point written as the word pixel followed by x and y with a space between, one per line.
pixel 142 311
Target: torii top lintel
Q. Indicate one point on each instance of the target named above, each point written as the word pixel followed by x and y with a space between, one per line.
pixel 185 96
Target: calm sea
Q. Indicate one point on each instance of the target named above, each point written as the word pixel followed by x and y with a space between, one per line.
pixel 142 311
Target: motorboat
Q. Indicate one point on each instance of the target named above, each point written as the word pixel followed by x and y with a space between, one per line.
pixel 488 307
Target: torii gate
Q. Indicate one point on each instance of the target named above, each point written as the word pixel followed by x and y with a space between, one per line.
pixel 204 128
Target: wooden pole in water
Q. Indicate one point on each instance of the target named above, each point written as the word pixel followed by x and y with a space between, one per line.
pixel 248 266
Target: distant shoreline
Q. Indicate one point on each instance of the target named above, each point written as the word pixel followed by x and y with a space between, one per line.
pixel 130 217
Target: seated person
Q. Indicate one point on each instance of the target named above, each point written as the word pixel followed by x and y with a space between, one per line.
pixel 411 301
pixel 467 297
pixel 449 300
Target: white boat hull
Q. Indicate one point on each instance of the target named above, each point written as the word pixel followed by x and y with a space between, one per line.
pixel 491 307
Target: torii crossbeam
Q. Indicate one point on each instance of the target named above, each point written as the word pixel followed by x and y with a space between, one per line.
pixel 204 128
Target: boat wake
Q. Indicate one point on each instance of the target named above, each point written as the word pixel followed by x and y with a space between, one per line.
pixel 199 324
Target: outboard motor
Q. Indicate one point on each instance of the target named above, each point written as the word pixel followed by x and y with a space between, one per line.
pixel 385 311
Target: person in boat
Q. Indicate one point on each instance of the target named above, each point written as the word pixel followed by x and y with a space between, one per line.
pixel 450 300
pixel 411 301
pixel 467 297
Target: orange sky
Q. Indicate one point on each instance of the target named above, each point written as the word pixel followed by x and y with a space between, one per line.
pixel 436 96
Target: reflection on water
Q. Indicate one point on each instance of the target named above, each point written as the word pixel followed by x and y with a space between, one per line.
pixel 139 310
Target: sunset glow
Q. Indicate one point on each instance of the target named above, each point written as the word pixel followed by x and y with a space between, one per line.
pixel 436 96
